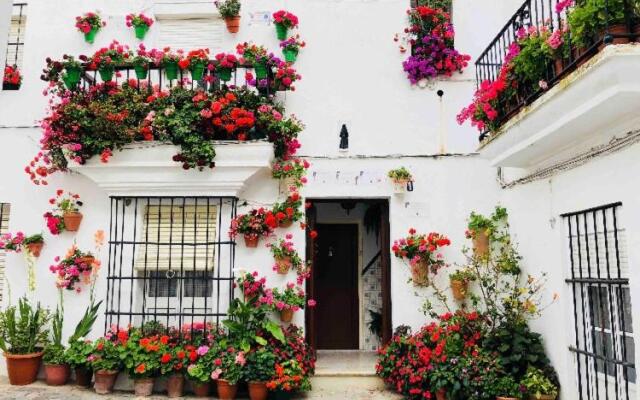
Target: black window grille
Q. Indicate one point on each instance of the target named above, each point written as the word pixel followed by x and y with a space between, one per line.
pixel 15 43
pixel 604 343
pixel 170 261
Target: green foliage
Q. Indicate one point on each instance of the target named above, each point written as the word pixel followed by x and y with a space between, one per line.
pixel 228 8
pixel 375 323
pixel 105 355
pixel 530 66
pixel 246 321
pixel 507 386
pixel 78 352
pixel 84 326
pixel 464 275
pixel 37 238
pixel 442 4
pixel 260 365
pixel 23 329
pixel 54 354
pixel 537 384
pixel 400 174
pixel 591 17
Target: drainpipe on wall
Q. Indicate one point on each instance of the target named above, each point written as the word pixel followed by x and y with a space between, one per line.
pixel 442 131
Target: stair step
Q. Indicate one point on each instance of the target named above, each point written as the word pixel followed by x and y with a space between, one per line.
pixel 340 382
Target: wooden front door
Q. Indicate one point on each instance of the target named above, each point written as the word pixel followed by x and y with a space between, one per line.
pixel 335 287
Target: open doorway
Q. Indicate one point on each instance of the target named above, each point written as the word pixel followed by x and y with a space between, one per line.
pixel 350 276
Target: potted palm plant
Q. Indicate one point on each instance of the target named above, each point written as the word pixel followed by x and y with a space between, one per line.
pixel 56 368
pixel 258 371
pixel 230 11
pixel 23 335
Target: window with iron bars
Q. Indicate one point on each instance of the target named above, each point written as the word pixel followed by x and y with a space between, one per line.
pixel 15 40
pixel 604 346
pixel 5 208
pixel 170 261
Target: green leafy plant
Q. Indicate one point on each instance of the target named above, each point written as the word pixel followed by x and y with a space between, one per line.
pixel 37 238
pixel 591 17
pixel 537 384
pixel 260 365
pixel 400 174
pixel 246 321
pixel 84 326
pixel 507 386
pixel 105 355
pixel 375 323
pixel 54 351
pixel 463 275
pixel 228 8
pixel 200 371
pixel 78 353
pixel 23 329
pixel 531 64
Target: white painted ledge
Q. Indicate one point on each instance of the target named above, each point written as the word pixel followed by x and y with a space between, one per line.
pixel 590 106
pixel 148 169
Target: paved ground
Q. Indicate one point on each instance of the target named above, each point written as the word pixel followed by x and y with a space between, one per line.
pixel 39 391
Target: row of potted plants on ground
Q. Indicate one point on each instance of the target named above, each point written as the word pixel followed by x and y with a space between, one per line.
pixel 430 37
pixel 485 349
pixel 538 50
pixel 249 347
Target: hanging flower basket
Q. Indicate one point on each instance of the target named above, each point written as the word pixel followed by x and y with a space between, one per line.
pixel 224 74
pixel 281 31
pixel 171 70
pixel 420 273
pixel 260 70
pixel 106 73
pixel 480 244
pixel 72 220
pixel 233 24
pixel 141 31
pixel 283 265
pixel 251 241
pixel 286 315
pixel 35 248
pixel 290 55
pixel 459 289
pixel 90 36
pixel 400 186
pixel 141 71
pixel 197 70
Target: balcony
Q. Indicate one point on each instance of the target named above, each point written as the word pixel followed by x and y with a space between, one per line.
pixel 573 97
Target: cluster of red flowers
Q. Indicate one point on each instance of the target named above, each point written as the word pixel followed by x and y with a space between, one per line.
pixel 193 57
pixel 420 247
pixel 12 75
pixel 258 222
pixel 285 18
pixel 225 60
pixel 89 21
pixel 138 20
pixel 285 77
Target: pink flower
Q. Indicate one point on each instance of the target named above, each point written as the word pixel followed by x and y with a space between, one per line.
pixel 202 350
pixel 240 360
pixel 311 303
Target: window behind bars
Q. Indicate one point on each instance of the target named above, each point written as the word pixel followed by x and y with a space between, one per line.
pixel 5 208
pixel 604 344
pixel 170 260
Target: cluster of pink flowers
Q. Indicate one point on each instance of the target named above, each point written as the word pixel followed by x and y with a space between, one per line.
pixel 226 60
pixel 563 5
pixel 8 242
pixel 138 20
pixel 286 76
pixel 89 21
pixel 285 18
pixel 74 268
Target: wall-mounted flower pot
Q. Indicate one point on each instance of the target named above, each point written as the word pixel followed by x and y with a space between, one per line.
pixel 290 55
pixel 90 36
pixel 35 248
pixel 226 391
pixel 23 368
pixel 286 315
pixel 480 244
pixel 459 289
pixel 10 86
pixel 72 221
pixel 558 65
pixel 233 24
pixel 251 241
pixel 258 391
pixel 105 381
pixel 285 223
pixel 141 31
pixel 200 389
pixel 281 31
pixel 224 74
pixel 71 77
pixel 175 386
pixel 106 73
pixel 197 71
pixel 420 273
pixel 56 374
pixel 400 186
pixel 171 70
pixel 83 376
pixel 143 387
pixel 141 71
pixel 283 265
pixel 260 70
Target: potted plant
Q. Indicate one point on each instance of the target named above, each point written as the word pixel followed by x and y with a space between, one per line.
pixel 230 11
pixel 105 362
pixel 72 69
pixel 479 230
pixel 226 64
pixel 56 369
pixel 140 23
pixel 34 244
pixel 172 365
pixel 285 255
pixel 89 24
pixel 200 375
pixel 258 371
pixel 69 206
pixel 285 77
pixel 557 47
pixel 169 61
pixel 141 359
pixel 255 55
pixel 284 20
pixel 12 78
pixel 290 172
pixel 196 62
pixel 291 47
pixel 258 222
pixel 286 302
pixel 229 373
pixel 590 19
pixel 538 386
pixel 459 281
pixel 422 252
pixel 11 243
pixel 289 378
pixel 74 269
pixel 530 66
pixel 400 178
pixel 288 212
pixel 106 59
pixel 141 62
pixel 508 388
pixel 23 335
pixel 79 350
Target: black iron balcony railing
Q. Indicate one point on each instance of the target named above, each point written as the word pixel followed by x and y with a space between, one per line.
pixel 616 23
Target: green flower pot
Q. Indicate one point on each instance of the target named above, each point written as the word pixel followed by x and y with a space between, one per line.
pixel 281 31
pixel 141 71
pixel 72 74
pixel 197 71
pixel 141 31
pixel 290 55
pixel 90 36
pixel 106 73
pixel 171 70
pixel 224 74
pixel 261 70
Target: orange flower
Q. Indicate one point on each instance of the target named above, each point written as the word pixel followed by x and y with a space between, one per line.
pixel 140 369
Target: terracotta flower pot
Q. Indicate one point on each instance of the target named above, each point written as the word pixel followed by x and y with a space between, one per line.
pixel 400 186
pixel 200 389
pixel 286 315
pixel 617 29
pixel 258 390
pixel 72 221
pixel 35 248
pixel 83 376
pixel 175 385
pixel 441 394
pixel 251 241
pixel 283 265
pixel 636 31
pixel 420 273
pixel 105 380
pixel 226 391
pixel 459 289
pixel 23 368
pixel 56 374
pixel 87 260
pixel 481 244
pixel 285 223
pixel 143 387
pixel 558 65
pixel 233 24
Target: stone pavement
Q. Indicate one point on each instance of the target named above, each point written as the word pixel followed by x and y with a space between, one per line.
pixel 40 391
